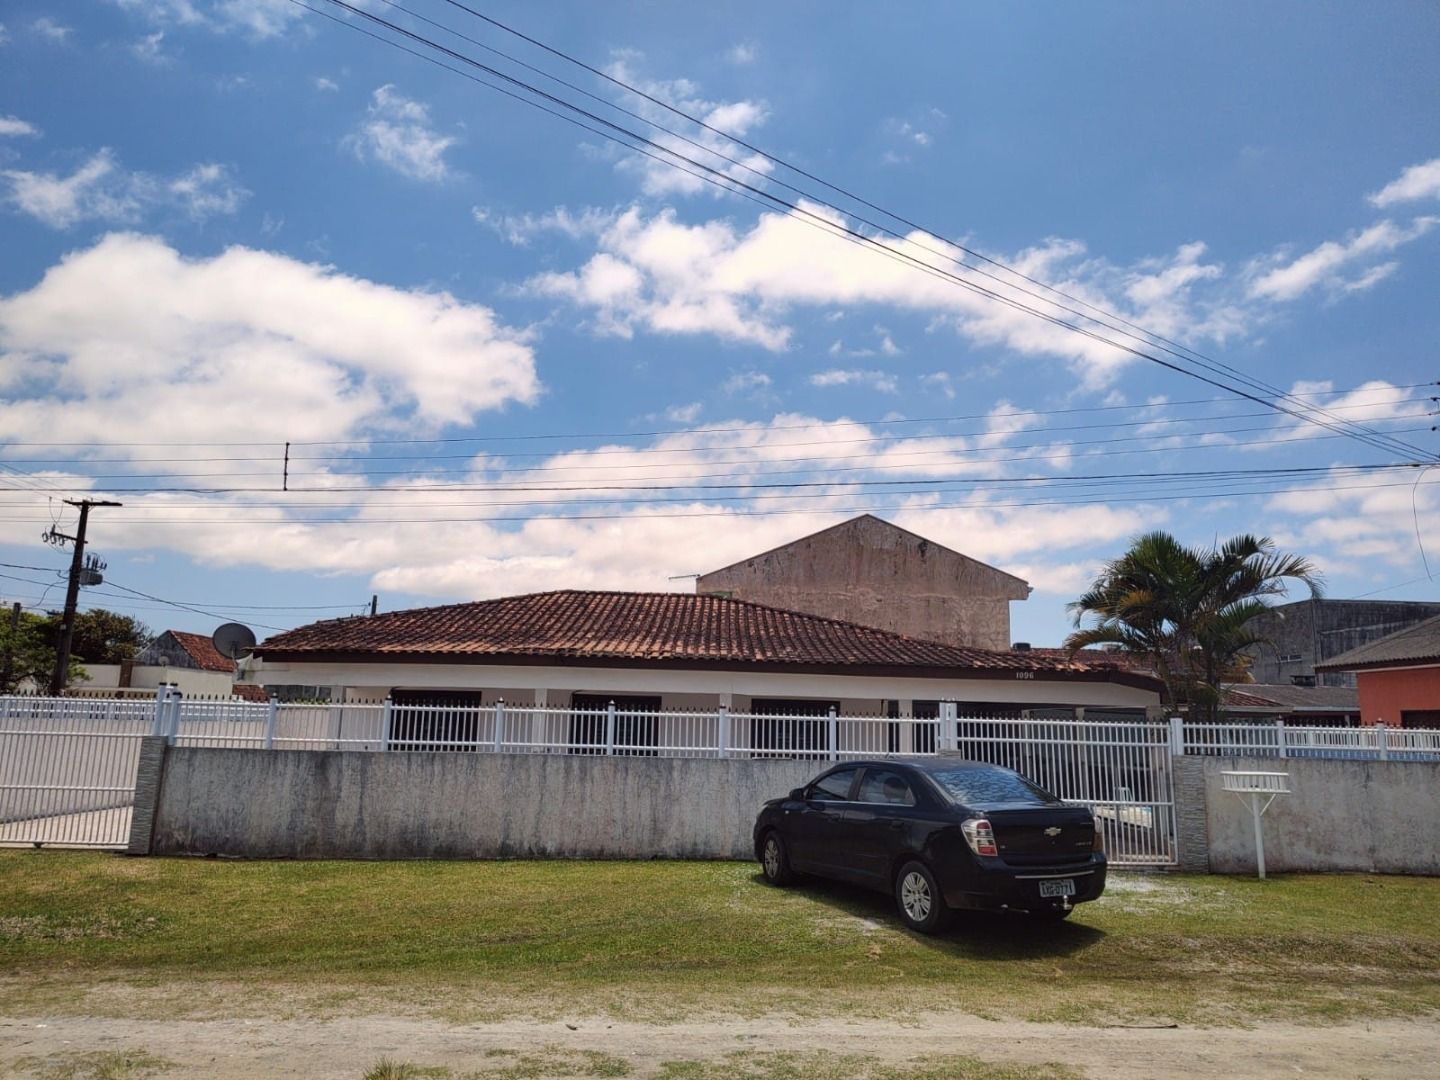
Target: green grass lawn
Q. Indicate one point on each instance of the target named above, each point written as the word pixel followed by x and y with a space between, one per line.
pixel 661 940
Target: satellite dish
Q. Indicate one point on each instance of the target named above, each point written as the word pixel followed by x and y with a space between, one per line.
pixel 234 640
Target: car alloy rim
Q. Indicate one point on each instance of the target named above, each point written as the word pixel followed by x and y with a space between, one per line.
pixel 772 857
pixel 915 896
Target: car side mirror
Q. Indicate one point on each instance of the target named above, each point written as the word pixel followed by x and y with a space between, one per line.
pixel 797 793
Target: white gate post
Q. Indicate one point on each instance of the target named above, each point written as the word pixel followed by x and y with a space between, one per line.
pixel 949 725
pixel 1177 737
pixel 499 724
pixel 832 732
pixel 1382 735
pixel 162 698
pixel 386 721
pixel 272 713
pixel 174 725
pixel 724 747
pixel 610 729
pixel 1280 738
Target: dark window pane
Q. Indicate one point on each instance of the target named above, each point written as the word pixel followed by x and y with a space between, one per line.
pixel 885 786
pixel 836 786
pixel 435 720
pixel 982 786
pixel 635 725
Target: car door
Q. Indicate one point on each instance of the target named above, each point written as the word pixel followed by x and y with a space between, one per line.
pixel 877 820
pixel 815 832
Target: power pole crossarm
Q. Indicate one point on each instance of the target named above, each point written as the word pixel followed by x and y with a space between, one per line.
pixel 72 594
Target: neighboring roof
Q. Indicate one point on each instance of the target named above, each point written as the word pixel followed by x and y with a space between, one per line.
pixel 249 692
pixel 668 629
pixel 1126 661
pixel 1413 646
pixel 850 524
pixel 202 650
pixel 1291 698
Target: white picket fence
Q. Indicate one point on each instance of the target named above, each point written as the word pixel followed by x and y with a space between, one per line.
pixel 1377 742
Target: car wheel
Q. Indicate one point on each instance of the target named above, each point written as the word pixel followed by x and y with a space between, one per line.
pixel 775 860
pixel 921 906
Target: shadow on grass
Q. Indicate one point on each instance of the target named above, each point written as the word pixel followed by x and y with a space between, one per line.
pixel 975 935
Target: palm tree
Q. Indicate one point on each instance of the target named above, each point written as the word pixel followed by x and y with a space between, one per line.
pixel 1189 611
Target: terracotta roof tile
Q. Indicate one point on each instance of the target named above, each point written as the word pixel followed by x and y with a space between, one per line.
pixel 202 650
pixel 642 627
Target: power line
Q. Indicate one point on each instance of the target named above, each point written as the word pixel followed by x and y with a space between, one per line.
pixel 727 182
pixel 880 422
pixel 1170 346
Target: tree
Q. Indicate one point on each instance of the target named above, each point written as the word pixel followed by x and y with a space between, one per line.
pixel 27 653
pixel 1189 611
pixel 103 637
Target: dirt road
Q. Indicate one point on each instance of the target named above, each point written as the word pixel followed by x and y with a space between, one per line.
pixel 323 1049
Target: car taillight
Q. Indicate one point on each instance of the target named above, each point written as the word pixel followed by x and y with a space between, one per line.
pixel 1098 844
pixel 980 836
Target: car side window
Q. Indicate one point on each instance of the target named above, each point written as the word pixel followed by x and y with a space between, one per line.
pixel 835 787
pixel 886 786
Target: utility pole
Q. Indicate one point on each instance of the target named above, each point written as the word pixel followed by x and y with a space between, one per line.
pixel 72 591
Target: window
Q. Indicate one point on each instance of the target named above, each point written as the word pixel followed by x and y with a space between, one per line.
pixel 885 786
pixel 781 724
pixel 635 724
pixel 835 787
pixel 1420 718
pixel 435 720
pixel 983 786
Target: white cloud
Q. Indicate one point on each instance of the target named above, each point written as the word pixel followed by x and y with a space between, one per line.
pixel 101 190
pixel 1417 182
pixel 258 18
pixel 323 84
pixel 743 53
pixel 207 190
pixel 397 133
pixel 1277 278
pixel 939 381
pixel 880 381
pixel 128 341
pixel 684 414
pixel 47 27
pixel 148 48
pixel 739 118
pixel 519 230
pixel 745 381
pixel 13 125
pixel 713 278
pixel 4 35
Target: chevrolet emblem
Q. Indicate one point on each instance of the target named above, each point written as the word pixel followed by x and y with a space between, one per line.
pixel 1054 830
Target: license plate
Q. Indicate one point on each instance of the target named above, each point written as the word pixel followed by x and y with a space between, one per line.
pixel 1058 888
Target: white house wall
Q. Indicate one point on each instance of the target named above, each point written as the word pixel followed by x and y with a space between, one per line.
pixel 684 688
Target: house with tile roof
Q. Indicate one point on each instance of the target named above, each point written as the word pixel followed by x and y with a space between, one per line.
pixel 673 651
pixel 175 658
pixel 1398 676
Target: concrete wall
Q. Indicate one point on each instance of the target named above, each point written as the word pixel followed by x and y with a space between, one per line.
pixel 1369 816
pixel 871 572
pixel 325 804
pixel 192 682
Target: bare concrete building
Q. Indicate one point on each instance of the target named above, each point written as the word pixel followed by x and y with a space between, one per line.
pixel 1305 633
pixel 871 572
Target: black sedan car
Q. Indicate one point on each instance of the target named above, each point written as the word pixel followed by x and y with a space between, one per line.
pixel 938 835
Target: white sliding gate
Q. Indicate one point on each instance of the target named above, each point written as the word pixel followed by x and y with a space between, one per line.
pixel 67 769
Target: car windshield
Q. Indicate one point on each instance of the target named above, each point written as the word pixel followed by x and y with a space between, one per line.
pixel 983 785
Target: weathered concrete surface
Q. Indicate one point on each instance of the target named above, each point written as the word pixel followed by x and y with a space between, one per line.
pixel 869 571
pixel 1368 816
pixel 336 804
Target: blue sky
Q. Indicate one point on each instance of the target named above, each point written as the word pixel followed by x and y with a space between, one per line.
pixel 232 224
